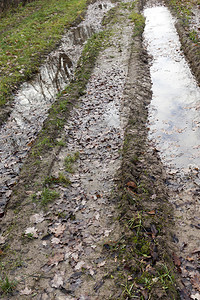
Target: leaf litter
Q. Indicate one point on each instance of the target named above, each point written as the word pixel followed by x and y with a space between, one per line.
pixel 84 217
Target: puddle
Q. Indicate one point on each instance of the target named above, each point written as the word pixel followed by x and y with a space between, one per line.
pixel 175 108
pixel 35 97
pixel 174 122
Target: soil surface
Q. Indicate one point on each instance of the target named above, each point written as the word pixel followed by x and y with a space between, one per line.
pixel 90 216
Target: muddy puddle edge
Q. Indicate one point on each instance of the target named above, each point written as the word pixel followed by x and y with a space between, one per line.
pixel 190 49
pixel 6 109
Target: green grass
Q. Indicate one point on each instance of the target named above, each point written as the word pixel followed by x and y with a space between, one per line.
pixel 45 197
pixel 60 179
pixel 70 159
pixel 26 33
pixel 7 286
pixel 139 22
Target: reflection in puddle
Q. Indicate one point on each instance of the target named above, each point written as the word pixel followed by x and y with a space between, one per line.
pixel 35 97
pixel 174 118
pixel 175 109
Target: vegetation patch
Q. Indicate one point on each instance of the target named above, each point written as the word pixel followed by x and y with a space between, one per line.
pixel 27 33
pixel 6 285
pixel 45 197
pixel 70 159
pixel 60 179
pixel 189 37
pixel 139 22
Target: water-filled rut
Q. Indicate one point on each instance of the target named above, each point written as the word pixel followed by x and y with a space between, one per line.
pixel 174 122
pixel 32 101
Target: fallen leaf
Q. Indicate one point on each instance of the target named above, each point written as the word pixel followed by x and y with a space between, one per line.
pixel 190 258
pixel 145 294
pixel 2 239
pixel 58 257
pixel 57 281
pixel 101 264
pixel 97 216
pixel 58 230
pixel 37 218
pixel 32 231
pixel 176 260
pixel 91 272
pixel 79 265
pixel 154 231
pixel 196 296
pixel 26 291
pixel 196 281
pixel 152 212
pixel 55 241
pixel 131 184
pixel 106 233
pixel 75 256
pixel 196 251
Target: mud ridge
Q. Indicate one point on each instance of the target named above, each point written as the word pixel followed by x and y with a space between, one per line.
pixel 190 49
pixel 144 195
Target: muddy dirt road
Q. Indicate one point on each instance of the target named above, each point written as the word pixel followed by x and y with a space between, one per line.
pixel 103 196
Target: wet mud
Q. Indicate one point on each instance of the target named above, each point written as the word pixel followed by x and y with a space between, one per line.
pixel 72 263
pixel 62 251
pixel 33 100
pixel 174 129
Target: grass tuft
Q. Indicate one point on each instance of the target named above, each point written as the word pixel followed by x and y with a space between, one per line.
pixel 70 160
pixel 6 285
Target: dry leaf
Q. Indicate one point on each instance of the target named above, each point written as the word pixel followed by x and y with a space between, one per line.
pixel 57 281
pixel 91 272
pixel 196 281
pixel 131 184
pixel 196 296
pixel 55 241
pixel 106 233
pixel 101 264
pixel 176 259
pixel 97 216
pixel 190 258
pixel 2 239
pixel 56 259
pixel 75 256
pixel 26 291
pixel 58 230
pixel 79 265
pixel 196 251
pixel 37 218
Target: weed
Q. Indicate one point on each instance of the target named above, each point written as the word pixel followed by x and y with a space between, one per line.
pixel 45 197
pixel 6 285
pixel 62 179
pixel 61 143
pixel 139 22
pixel 193 35
pixel 30 236
pixel 165 277
pixel 70 160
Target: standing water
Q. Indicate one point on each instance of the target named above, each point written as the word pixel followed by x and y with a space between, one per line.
pixel 174 119
pixel 35 97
